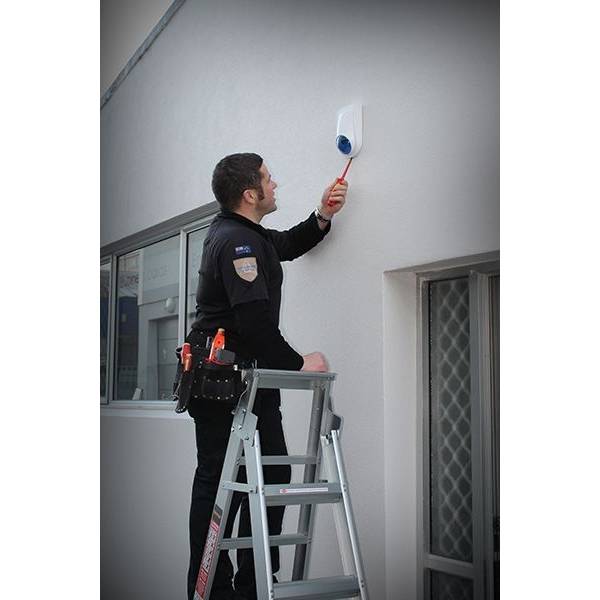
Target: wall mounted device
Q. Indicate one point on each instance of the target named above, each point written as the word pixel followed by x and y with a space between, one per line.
pixel 349 130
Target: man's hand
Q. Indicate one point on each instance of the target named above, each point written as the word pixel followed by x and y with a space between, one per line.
pixel 315 361
pixel 334 194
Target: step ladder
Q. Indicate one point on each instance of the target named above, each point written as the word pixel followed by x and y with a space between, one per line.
pixel 324 482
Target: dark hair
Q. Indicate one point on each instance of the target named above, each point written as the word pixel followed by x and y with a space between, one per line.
pixel 234 174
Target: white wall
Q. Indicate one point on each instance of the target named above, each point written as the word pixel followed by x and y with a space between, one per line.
pixel 269 77
pixel 124 25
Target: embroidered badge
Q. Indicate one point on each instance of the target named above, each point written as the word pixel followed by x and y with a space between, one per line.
pixel 241 250
pixel 246 268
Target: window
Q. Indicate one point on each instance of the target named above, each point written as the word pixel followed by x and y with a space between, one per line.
pixel 459 557
pixel 147 302
pixel 148 282
pixel 450 484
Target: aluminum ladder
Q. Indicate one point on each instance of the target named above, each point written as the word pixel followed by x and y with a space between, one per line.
pixel 324 482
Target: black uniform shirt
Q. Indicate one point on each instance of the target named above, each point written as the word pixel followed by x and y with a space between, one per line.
pixel 240 281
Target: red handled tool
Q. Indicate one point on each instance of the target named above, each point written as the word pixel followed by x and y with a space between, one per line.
pixel 339 180
pixel 218 343
pixel 186 356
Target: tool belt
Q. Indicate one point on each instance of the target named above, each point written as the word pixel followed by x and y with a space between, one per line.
pixel 207 381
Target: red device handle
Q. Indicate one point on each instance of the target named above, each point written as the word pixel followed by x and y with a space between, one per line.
pixel 339 180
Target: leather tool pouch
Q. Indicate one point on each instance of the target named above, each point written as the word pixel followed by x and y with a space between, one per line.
pixel 217 383
pixel 205 382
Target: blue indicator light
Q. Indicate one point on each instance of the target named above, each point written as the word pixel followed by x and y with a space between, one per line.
pixel 343 144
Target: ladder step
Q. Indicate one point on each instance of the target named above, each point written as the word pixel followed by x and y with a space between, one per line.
pixel 292 459
pixel 325 588
pixel 288 539
pixel 302 493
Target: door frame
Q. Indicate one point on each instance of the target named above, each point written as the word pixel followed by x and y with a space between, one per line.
pixel 483 451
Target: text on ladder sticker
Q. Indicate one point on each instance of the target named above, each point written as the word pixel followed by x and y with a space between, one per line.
pixel 209 551
pixel 302 490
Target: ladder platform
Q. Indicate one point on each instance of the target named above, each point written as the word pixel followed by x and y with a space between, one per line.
pixel 325 588
pixel 288 539
pixel 302 493
pixel 291 380
pixel 291 459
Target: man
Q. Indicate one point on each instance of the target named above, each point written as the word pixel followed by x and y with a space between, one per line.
pixel 239 289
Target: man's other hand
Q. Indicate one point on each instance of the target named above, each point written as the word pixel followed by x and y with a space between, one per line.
pixel 315 361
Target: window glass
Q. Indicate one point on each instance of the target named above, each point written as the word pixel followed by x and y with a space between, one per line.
pixel 450 587
pixel 195 246
pixel 104 300
pixel 147 314
pixel 451 487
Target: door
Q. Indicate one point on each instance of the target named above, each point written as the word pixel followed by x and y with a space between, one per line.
pixel 459 522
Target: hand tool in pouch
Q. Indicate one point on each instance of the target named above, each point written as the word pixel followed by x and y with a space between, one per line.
pixel 186 367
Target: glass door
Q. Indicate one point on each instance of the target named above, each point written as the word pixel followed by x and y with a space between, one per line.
pixel 460 339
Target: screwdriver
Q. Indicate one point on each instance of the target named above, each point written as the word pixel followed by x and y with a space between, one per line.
pixel 339 180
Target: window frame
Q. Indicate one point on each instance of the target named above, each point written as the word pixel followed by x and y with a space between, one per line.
pixel 480 571
pixel 182 226
pixel 108 261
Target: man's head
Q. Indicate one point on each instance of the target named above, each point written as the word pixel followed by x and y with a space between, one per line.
pixel 243 182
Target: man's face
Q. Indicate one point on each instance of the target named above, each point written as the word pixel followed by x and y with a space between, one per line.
pixel 266 204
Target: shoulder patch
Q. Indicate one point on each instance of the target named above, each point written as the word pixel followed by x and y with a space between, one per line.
pixel 246 268
pixel 243 250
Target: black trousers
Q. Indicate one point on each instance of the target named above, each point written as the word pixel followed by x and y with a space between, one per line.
pixel 212 436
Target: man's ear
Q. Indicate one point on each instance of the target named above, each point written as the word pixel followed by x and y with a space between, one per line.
pixel 250 196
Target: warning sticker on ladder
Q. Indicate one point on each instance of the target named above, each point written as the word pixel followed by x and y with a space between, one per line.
pixel 209 552
pixel 303 490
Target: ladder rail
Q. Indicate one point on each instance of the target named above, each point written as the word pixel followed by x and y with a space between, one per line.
pixel 220 513
pixel 260 538
pixel 243 423
pixel 339 513
pixel 306 516
pixel 349 515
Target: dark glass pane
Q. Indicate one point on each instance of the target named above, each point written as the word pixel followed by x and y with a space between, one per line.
pixel 495 372
pixel 450 587
pixel 195 246
pixel 147 314
pixel 451 530
pixel 104 299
